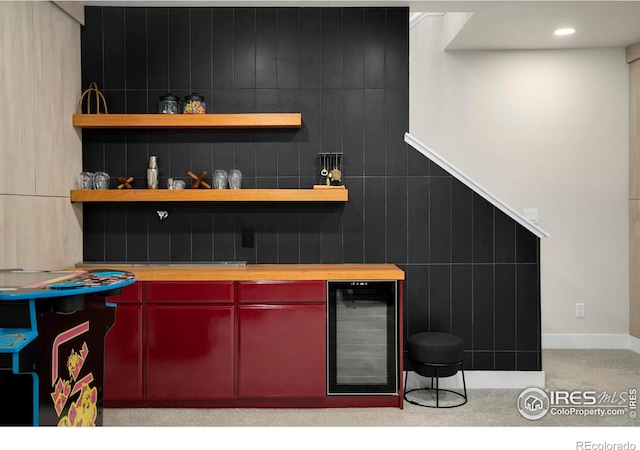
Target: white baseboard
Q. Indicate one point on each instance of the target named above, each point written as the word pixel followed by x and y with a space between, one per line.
pixel 589 341
pixel 634 344
pixel 485 379
pixel 500 379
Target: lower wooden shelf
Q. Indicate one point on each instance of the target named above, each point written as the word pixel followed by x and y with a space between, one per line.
pixel 209 195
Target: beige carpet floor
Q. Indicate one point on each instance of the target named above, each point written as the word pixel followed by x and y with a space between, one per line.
pixel 568 370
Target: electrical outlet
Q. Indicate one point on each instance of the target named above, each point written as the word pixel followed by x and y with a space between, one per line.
pixel 579 309
pixel 248 238
pixel 531 214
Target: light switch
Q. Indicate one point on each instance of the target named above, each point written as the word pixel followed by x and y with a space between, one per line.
pixel 531 214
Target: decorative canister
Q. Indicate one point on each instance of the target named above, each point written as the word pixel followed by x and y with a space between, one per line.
pixel 194 104
pixel 169 104
pixel 101 180
pixel 235 179
pixel 219 179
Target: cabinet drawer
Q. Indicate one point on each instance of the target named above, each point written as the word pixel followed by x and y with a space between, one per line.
pixel 282 292
pixel 192 291
pixel 130 294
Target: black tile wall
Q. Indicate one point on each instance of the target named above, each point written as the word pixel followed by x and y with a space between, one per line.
pixel 470 269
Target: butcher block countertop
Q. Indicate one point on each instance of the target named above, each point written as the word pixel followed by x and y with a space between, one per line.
pixel 253 272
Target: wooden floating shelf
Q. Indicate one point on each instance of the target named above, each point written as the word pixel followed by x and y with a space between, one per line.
pixel 209 195
pixel 260 120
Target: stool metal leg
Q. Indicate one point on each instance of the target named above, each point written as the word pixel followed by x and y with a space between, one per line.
pixel 437 389
pixel 436 368
pixel 406 377
pixel 464 384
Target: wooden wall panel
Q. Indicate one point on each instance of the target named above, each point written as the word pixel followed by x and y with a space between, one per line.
pixel 40 151
pixel 58 145
pixel 634 268
pixel 633 57
pixel 17 155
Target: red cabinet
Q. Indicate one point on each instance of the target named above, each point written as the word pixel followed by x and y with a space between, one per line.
pixel 123 348
pixel 281 339
pixel 189 341
pixel 222 344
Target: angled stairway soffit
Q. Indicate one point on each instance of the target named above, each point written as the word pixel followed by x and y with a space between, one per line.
pixel 475 187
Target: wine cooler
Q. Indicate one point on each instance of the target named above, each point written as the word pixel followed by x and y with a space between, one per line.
pixel 362 337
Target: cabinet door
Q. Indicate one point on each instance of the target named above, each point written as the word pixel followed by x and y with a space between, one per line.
pixel 189 352
pixel 282 351
pixel 123 355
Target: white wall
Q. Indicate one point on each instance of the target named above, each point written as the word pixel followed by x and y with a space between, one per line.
pixel 547 130
pixel 40 151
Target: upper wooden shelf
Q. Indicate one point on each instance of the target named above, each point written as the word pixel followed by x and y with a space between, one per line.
pixel 261 120
pixel 210 195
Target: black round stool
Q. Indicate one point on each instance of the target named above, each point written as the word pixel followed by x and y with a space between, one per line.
pixel 436 355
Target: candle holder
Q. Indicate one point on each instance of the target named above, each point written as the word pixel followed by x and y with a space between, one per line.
pixel 220 179
pixel 235 179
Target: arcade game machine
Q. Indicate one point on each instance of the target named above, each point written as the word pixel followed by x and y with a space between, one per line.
pixel 52 332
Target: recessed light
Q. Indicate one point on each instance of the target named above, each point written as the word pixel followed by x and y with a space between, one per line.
pixel 564 31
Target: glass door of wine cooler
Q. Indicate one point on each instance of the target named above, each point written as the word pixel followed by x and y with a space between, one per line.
pixel 362 337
